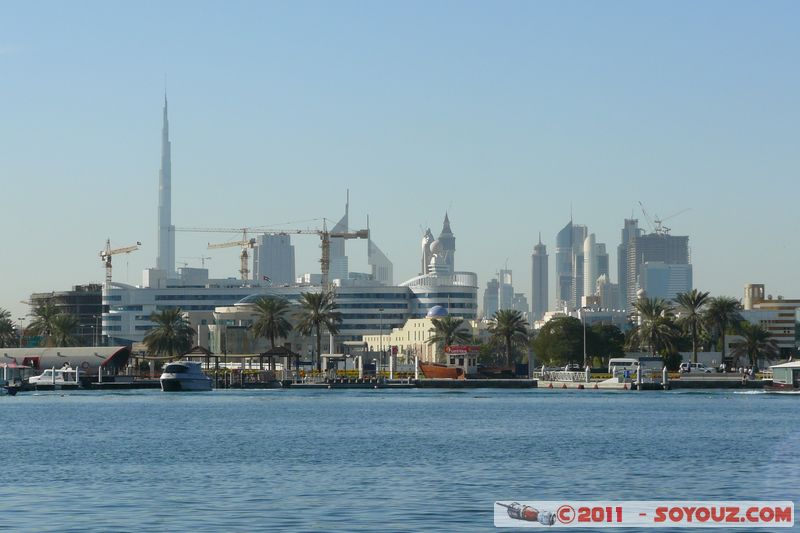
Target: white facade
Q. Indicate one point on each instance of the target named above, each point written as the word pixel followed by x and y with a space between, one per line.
pixel 589 265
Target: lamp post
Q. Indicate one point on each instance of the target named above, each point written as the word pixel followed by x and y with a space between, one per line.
pixel 21 330
pixel 97 335
pixel 583 320
pixel 380 349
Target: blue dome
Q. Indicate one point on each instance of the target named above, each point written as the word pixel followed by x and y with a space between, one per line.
pixel 437 311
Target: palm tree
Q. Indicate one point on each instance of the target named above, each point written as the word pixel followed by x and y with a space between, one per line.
pixel 318 309
pixel 64 326
pixel 8 333
pixel 657 329
pixel 42 323
pixel 448 331
pixel 757 343
pixel 271 322
pixel 690 315
pixel 508 325
pixel 721 313
pixel 171 336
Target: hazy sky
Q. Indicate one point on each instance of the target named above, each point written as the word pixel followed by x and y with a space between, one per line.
pixel 503 113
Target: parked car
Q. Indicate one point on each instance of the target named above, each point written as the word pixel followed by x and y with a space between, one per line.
pixel 572 367
pixel 695 367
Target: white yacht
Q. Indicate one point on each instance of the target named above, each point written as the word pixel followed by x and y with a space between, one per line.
pixel 184 376
pixel 56 377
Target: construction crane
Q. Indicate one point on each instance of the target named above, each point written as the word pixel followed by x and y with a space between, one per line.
pixel 324 235
pixel 657 224
pixel 246 244
pixel 201 258
pixel 105 256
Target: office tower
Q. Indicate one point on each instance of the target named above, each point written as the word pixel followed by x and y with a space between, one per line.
pixel 338 266
pixel 438 256
pixel 589 265
pixel 630 230
pixel 273 260
pixel 491 298
pixel 382 268
pixel 608 293
pixel 652 248
pixel 539 281
pixel 165 261
pixel 520 303
pixel 569 264
pixel 662 280
pixel 505 293
pixel 602 261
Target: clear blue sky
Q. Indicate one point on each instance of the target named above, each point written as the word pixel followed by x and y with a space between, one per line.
pixel 503 113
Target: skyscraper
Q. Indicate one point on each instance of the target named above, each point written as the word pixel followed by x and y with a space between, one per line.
pixel 273 260
pixel 491 296
pixel 589 265
pixel 448 244
pixel 653 247
pixel 564 266
pixel 539 281
pixel 165 260
pixel 382 268
pixel 339 267
pixel 630 230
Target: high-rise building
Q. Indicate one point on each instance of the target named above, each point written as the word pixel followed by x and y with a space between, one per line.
pixel 448 245
pixel 651 248
pixel 491 294
pixel 505 295
pixel 569 265
pixel 589 265
pixel 662 280
pixel 629 231
pixel 520 303
pixel 165 260
pixel 539 282
pixel 339 267
pixel 382 268
pixel 273 260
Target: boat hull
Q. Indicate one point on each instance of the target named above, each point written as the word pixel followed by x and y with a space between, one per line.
pixel 181 385
pixel 438 371
pixel 781 387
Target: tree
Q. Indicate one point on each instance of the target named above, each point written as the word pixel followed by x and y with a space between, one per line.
pixel 757 343
pixel 559 341
pixel 63 331
pixel 721 313
pixel 318 310
pixel 171 336
pixel 690 315
pixel 8 333
pixel 605 341
pixel 657 329
pixel 271 321
pixel 42 323
pixel 508 325
pixel 448 331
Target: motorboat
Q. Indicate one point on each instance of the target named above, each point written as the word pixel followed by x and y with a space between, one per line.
pixel 184 376
pixel 785 377
pixel 65 376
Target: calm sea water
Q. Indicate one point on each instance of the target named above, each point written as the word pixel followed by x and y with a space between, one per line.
pixel 374 460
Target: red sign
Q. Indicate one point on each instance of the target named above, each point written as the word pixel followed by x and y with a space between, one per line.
pixel 460 350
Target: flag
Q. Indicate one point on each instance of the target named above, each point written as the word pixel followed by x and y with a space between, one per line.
pixel 266 278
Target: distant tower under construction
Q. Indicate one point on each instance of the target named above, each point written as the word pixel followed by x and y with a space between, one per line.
pixel 166 231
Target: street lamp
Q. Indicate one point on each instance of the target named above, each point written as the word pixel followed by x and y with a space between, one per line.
pixel 583 320
pixel 21 330
pixel 380 352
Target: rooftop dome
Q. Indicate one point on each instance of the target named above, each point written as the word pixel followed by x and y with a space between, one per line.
pixel 436 246
pixel 437 311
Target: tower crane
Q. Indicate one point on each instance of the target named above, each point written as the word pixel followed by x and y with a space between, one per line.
pixel 325 237
pixel 657 223
pixel 246 244
pixel 105 256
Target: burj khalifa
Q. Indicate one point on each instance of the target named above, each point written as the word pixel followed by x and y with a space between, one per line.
pixel 166 231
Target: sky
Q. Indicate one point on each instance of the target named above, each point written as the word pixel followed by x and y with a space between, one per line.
pixel 507 115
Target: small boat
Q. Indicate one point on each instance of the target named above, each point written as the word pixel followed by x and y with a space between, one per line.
pixel 184 376
pixel 785 377
pixel 64 377
pixel 440 371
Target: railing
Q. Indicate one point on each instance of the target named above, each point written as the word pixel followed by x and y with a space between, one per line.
pixel 560 375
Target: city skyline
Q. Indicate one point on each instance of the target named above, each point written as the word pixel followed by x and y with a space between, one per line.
pixel 414 128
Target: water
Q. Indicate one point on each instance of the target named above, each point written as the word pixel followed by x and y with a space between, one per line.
pixel 376 460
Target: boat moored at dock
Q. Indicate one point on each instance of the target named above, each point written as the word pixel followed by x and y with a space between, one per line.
pixel 184 376
pixel 785 377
